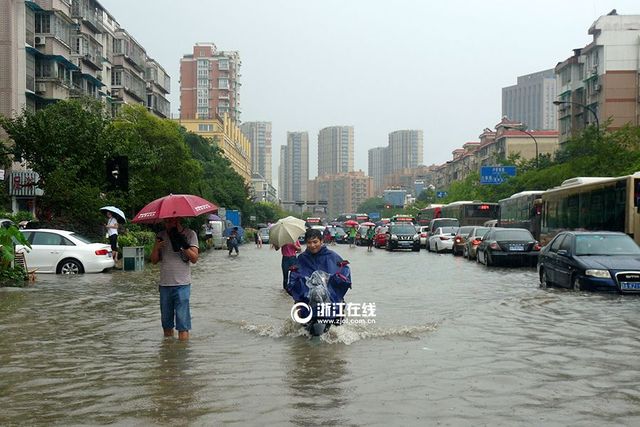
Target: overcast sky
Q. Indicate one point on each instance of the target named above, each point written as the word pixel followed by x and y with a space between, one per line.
pixel 377 65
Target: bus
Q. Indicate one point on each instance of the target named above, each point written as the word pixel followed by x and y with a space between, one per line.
pixel 608 204
pixel 311 221
pixel 362 217
pixel 402 218
pixel 470 213
pixel 424 216
pixel 522 210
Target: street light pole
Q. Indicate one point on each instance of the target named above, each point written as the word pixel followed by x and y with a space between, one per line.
pixel 586 107
pixel 534 140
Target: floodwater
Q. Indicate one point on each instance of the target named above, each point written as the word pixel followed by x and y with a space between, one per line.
pixel 454 343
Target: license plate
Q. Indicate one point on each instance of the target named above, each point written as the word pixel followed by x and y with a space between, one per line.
pixel 517 247
pixel 630 286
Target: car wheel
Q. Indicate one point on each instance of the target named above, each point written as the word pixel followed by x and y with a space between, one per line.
pixel 487 259
pixel 70 266
pixel 575 284
pixel 544 280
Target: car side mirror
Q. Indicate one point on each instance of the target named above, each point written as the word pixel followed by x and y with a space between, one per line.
pixel 563 252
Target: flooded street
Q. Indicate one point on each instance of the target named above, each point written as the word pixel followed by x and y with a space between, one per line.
pixel 454 343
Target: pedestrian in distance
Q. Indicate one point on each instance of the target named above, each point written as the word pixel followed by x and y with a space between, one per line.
pixel 352 237
pixel 371 233
pixel 112 235
pixel 208 234
pixel 257 239
pixel 233 241
pixel 176 248
pixel 289 254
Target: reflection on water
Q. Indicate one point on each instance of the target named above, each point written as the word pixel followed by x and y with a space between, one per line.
pixel 172 383
pixel 315 374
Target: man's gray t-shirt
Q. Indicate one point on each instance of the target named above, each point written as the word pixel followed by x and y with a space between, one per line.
pixel 173 270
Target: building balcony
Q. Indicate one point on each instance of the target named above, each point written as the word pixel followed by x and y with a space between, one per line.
pixel 90 12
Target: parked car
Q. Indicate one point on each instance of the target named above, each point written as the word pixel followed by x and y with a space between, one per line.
pixel 508 245
pixel 380 239
pixel 442 239
pixel 593 260
pixel 64 252
pixel 6 223
pixel 264 235
pixel 338 234
pixel 402 236
pixel 440 222
pixel 473 240
pixel 491 223
pixel 423 230
pixel 460 239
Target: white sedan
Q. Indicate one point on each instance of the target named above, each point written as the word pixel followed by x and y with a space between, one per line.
pixel 442 239
pixel 64 252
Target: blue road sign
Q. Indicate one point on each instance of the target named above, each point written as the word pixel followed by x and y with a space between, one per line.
pixel 374 215
pixel 496 174
pixel 441 194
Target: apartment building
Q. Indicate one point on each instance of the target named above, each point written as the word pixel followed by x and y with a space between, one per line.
pixel 210 83
pixel 53 50
pixel 530 100
pixel 293 175
pixel 343 192
pixel 600 80
pixel 335 150
pixel 259 136
pixel 227 136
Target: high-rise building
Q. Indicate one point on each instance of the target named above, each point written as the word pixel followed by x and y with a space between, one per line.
pixel 209 83
pixel 259 135
pixel 377 159
pixel 530 101
pixel 335 150
pixel 406 150
pixel 293 176
pixel 600 80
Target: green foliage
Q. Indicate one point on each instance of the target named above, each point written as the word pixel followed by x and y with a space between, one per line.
pixel 8 239
pixel 13 276
pixel 374 204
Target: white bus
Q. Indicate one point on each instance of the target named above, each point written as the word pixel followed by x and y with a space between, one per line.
pixel 522 210
pixel 609 204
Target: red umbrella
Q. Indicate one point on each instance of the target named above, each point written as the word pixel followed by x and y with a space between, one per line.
pixel 351 223
pixel 368 224
pixel 174 205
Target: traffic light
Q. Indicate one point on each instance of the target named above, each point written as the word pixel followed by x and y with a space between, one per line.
pixel 117 172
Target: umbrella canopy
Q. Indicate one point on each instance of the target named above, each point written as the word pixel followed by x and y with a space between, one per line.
pixel 116 212
pixel 173 206
pixel 213 217
pixel 368 224
pixel 351 223
pixel 286 230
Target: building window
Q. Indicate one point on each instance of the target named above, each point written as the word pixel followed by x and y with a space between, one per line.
pixel 203 83
pixel 223 83
pixel 203 72
pixel 43 23
pixel 116 78
pixel 223 64
pixel 205 128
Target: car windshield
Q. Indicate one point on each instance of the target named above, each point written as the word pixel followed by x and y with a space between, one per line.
pixel 403 229
pixel 264 231
pixel 464 231
pixel 81 238
pixel 337 231
pixel 512 235
pixel 605 244
pixel 448 230
pixel 445 223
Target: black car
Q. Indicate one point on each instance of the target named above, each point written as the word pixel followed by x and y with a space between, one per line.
pixel 402 236
pixel 508 245
pixel 594 260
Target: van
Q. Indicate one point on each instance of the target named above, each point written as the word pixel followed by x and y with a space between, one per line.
pixel 219 242
pixel 441 222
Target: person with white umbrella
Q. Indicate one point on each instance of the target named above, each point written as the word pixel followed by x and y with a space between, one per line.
pixel 114 216
pixel 284 236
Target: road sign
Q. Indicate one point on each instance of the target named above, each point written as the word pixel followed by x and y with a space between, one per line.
pixel 441 194
pixel 496 174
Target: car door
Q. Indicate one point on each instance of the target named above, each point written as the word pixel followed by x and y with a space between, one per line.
pixel 550 259
pixel 564 263
pixel 46 250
